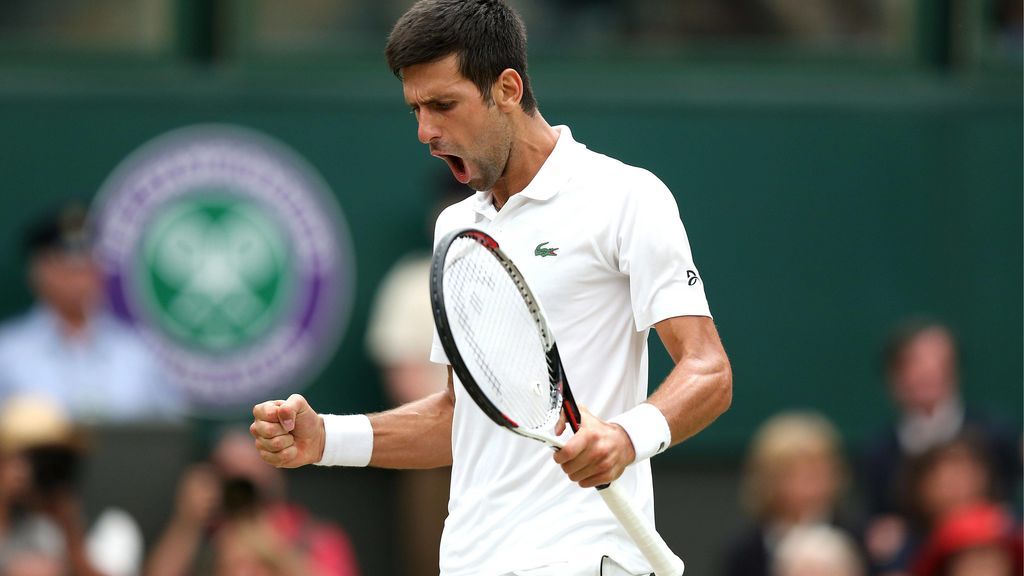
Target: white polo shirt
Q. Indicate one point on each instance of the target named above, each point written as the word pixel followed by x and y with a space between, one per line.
pixel 602 246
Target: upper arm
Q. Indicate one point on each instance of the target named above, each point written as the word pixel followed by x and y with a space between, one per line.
pixel 654 252
pixel 692 338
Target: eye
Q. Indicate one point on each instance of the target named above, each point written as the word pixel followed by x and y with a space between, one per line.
pixel 444 106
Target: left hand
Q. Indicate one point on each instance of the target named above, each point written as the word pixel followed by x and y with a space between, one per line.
pixel 597 454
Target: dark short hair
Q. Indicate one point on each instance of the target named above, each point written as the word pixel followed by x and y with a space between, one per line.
pixel 487 36
pixel 63 229
pixel 915 469
pixel 903 335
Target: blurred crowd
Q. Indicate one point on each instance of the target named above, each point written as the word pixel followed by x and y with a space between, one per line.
pixel 936 493
pixel 68 366
pixel 939 489
pixel 882 27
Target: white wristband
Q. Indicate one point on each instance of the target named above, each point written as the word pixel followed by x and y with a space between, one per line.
pixel 647 429
pixel 348 440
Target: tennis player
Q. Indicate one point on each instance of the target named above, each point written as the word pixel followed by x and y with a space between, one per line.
pixel 603 247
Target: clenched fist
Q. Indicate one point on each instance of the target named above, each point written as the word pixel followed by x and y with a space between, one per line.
pixel 288 432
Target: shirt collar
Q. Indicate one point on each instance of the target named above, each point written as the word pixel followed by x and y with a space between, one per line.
pixel 919 432
pixel 547 182
pixel 49 324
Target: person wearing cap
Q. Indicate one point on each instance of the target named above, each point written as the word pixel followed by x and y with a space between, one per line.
pixel 68 348
pixel 42 528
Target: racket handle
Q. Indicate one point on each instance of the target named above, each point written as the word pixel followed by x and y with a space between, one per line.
pixel 653 547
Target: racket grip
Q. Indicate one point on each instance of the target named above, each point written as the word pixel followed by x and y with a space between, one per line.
pixel 653 547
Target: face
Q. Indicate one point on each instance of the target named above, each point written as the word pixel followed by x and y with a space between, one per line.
pixel 69 284
pixel 815 566
pixel 807 487
pixel 955 480
pixel 15 477
pixel 926 375
pixel 235 456
pixel 473 137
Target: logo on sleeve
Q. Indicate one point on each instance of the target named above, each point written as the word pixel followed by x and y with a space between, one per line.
pixel 541 251
pixel 691 277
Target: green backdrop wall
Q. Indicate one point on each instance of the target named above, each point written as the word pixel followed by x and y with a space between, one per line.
pixel 821 208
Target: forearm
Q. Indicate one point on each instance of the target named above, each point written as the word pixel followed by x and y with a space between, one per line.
pixel 699 388
pixel 696 392
pixel 415 435
pixel 175 552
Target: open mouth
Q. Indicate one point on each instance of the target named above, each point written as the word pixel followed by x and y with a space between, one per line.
pixel 457 165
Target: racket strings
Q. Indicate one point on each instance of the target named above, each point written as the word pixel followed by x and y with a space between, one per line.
pixel 501 341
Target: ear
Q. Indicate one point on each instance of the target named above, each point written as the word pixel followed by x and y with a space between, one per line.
pixel 507 90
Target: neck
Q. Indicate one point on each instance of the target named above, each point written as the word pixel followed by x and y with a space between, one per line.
pixel 73 325
pixel 533 140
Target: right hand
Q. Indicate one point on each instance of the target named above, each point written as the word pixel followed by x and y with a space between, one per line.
pixel 288 432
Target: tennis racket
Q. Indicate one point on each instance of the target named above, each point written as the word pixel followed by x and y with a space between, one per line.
pixel 498 342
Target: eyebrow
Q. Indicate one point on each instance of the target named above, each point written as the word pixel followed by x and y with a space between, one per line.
pixel 432 100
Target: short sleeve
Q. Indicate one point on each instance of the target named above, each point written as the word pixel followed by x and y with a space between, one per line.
pixel 655 253
pixel 437 354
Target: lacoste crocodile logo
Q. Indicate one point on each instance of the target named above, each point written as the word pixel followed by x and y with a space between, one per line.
pixel 541 251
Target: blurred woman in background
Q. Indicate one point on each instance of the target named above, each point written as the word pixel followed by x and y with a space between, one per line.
pixel 794 478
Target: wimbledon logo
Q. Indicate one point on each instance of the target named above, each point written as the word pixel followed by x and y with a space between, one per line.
pixel 229 254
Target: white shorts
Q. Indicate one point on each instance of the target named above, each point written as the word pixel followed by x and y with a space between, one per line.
pixel 605 567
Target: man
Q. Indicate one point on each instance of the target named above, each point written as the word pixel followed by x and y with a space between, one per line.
pixel 616 261
pixel 921 365
pixel 68 348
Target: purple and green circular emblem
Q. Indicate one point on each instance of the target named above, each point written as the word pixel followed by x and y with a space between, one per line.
pixel 230 256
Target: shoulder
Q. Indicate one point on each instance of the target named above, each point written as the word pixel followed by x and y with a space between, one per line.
pixel 746 552
pixel 618 183
pixel 22 330
pixel 113 328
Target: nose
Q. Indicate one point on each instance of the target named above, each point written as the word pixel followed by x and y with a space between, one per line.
pixel 428 129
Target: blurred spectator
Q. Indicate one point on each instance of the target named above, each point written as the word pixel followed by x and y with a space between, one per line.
pixel 980 540
pixel 794 477
pixel 399 336
pixel 921 366
pixel 231 519
pixel 946 479
pixel 41 526
pixel 817 551
pixel 67 348
pixel 400 331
